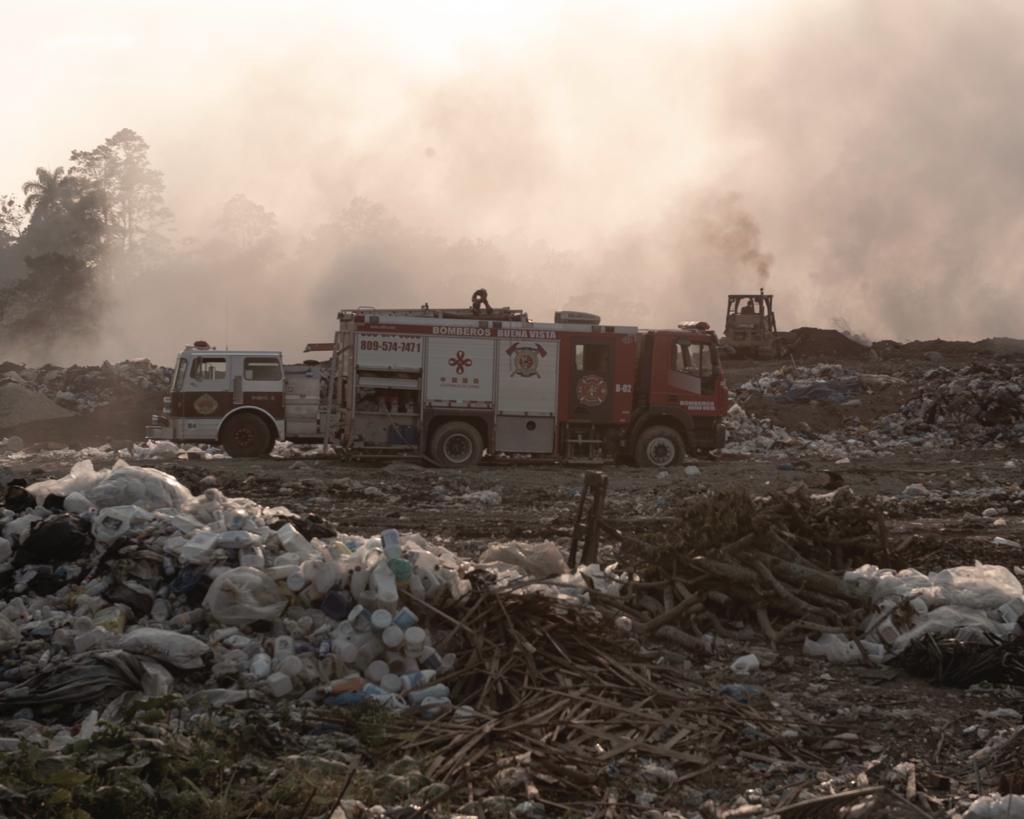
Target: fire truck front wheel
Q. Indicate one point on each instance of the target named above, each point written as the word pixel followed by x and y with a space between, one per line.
pixel 456 444
pixel 658 446
pixel 246 435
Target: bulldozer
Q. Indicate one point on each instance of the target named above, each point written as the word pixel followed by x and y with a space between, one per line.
pixel 750 330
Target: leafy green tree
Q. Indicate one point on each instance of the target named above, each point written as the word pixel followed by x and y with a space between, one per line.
pixel 134 209
pixel 43 194
pixel 246 224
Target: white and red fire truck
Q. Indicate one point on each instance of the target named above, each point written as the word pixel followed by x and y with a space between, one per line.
pixel 456 385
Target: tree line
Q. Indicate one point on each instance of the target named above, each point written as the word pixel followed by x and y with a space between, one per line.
pixel 78 229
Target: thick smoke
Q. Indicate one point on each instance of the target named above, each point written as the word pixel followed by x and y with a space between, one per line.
pixel 638 169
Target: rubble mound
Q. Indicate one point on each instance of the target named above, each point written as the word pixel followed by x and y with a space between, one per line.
pixel 814 342
pixel 84 389
pixel 20 404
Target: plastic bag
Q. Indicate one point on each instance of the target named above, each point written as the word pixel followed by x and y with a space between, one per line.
pixel 242 596
pixel 122 485
pixel 837 649
pixel 169 647
pixel 57 539
pixel 534 559
pixel 1010 806
pixel 970 625
pixel 978 586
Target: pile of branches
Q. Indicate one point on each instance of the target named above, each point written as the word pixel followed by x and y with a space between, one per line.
pixel 562 710
pixel 776 562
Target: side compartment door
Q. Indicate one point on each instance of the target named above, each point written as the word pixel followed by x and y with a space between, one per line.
pixel 590 360
pixel 460 373
pixel 527 396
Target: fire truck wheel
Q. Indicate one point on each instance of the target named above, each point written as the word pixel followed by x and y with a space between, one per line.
pixel 246 436
pixel 658 447
pixel 456 444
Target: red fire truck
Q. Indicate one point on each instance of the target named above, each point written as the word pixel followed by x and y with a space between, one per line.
pixel 456 385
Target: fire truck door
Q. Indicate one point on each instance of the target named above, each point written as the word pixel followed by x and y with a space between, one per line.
pixel 591 395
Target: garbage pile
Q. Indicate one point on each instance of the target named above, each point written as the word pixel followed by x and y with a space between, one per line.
pixel 119 580
pixel 82 389
pixel 956 626
pixel 976 405
pixel 831 383
pixel 982 401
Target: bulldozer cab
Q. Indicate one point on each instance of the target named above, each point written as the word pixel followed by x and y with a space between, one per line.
pixel 750 316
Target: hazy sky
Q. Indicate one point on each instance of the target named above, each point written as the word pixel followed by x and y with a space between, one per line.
pixel 871 147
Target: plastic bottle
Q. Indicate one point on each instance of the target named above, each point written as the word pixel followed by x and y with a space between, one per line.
pixel 296 582
pixel 292 541
pixel 358 581
pixel 381 619
pixel 260 665
pixel 291 665
pixel 387 590
pixel 416 588
pixel 415 639
pixel 391 683
pixel 390 541
pixel 252 556
pixel 392 637
pixel 283 645
pixel 376 670
pixel 405 618
pixel 437 690
pixel 360 619
pixel 345 650
pixel 417 679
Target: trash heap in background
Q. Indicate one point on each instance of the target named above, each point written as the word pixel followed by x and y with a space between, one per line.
pixel 84 389
pixel 119 581
pixel 978 404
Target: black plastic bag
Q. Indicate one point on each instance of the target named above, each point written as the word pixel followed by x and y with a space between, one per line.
pixel 56 539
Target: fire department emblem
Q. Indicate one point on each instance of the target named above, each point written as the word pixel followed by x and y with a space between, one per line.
pixel 591 390
pixel 524 359
pixel 205 404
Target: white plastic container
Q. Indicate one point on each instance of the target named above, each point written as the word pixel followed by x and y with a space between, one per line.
pixel 391 683
pixel 360 618
pixel 376 670
pixel 291 665
pixel 292 541
pixel 392 637
pixel 260 666
pixel 283 646
pixel 387 589
pixel 279 684
pixel 381 620
pixel 415 640
pixel 390 541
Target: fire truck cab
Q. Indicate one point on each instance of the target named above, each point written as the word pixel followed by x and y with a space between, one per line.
pixel 244 400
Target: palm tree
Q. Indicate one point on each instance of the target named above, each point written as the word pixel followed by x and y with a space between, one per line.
pixel 43 192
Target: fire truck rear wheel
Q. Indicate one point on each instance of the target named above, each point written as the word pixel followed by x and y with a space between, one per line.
pixel 246 436
pixel 456 444
pixel 658 447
